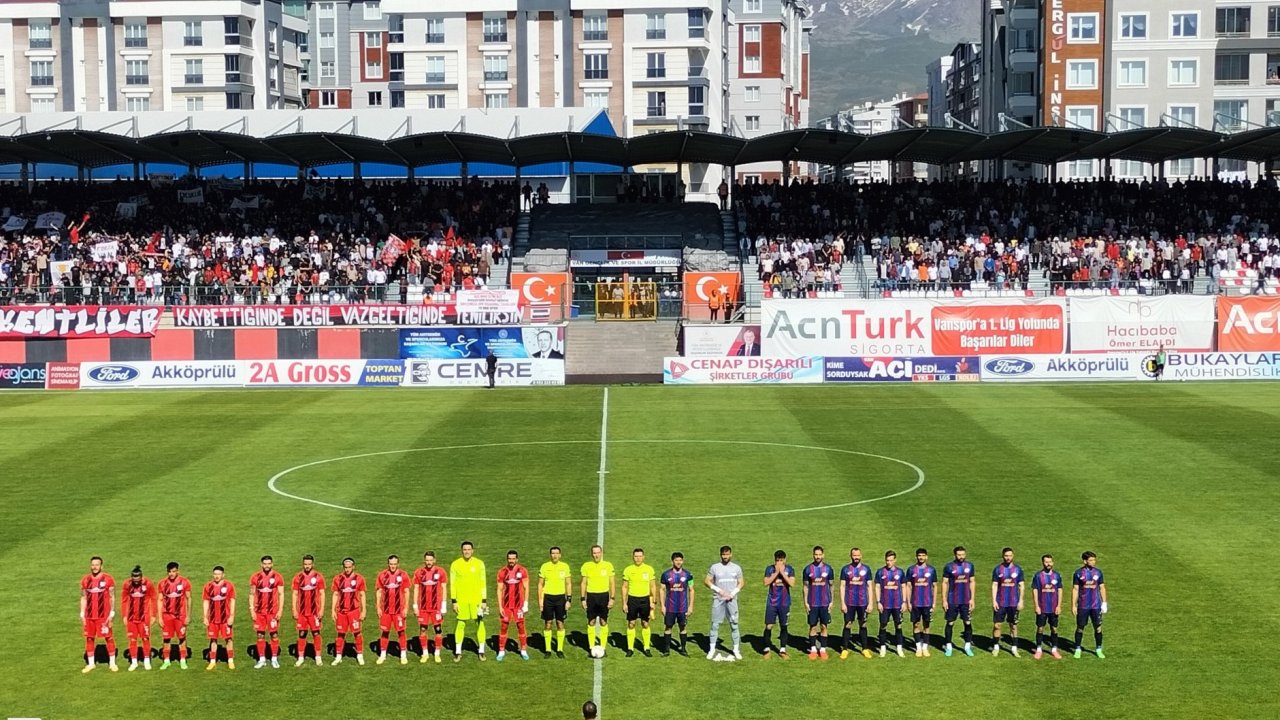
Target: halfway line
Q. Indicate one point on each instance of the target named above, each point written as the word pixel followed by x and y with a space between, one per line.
pixel 597 675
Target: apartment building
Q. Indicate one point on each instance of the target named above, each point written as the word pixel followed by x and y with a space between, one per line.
pixel 143 55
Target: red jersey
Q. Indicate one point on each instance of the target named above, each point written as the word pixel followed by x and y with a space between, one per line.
pixel 431 588
pixel 219 596
pixel 393 585
pixel 137 602
pixel 267 588
pixel 174 596
pixel 310 588
pixel 513 580
pixel 96 590
pixel 349 589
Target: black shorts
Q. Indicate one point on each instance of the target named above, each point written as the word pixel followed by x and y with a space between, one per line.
pixel 1050 619
pixel 894 613
pixel 958 611
pixel 672 619
pixel 1083 617
pixel 855 614
pixel 598 606
pixel 553 608
pixel 1005 615
pixel 638 608
pixel 776 615
pixel 819 616
pixel 922 615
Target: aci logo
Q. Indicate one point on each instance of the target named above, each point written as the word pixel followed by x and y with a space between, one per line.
pixel 678 370
pixel 1008 366
pixel 113 374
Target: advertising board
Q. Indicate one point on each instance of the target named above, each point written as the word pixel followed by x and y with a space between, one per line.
pixel 1248 324
pixel 1223 366
pixel 901 369
pixel 543 342
pixel 22 376
pixel 78 321
pixel 210 316
pixel 741 370
pixel 721 340
pixel 1112 366
pixel 471 372
pixel 1138 324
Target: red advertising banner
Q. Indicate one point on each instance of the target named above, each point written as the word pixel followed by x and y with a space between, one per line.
pixel 998 329
pixel 207 316
pixel 1248 324
pixel 78 321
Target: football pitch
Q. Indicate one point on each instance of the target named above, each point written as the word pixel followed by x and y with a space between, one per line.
pixel 1174 486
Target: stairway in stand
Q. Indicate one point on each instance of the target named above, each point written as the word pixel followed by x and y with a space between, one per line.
pixel 618 352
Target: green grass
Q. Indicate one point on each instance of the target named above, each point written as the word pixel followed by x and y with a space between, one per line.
pixel 1173 486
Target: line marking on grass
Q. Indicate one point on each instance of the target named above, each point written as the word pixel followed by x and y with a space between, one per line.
pixel 273 483
pixel 597 673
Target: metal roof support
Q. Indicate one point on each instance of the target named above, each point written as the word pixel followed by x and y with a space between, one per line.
pixel 1007 120
pixel 295 123
pixel 951 121
pixel 1113 116
pixel 243 123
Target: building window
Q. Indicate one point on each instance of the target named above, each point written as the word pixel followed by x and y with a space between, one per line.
pixel 752 6
pixel 194 72
pixel 495 100
pixel 328 69
pixel 655 27
pixel 495 29
pixel 1082 116
pixel 1022 83
pixel 595 27
pixel 193 33
pixel 397 98
pixel 657 65
pixel 1133 73
pixel 1183 72
pixel 137 104
pixel 328 99
pixel 302 40
pixel 305 73
pixel 435 101
pixel 231 30
pixel 751 63
pixel 373 40
pixel 373 69
pixel 595 99
pixel 41 104
pixel 135 35
pixel 1233 22
pixel 751 33
pixel 435 69
pixel 40 35
pixel 42 73
pixel 1231 70
pixel 1273 21
pixel 1183 115
pixel 697 100
pixel 327 39
pixel 1230 115
pixel 135 72
pixel 326 11
pixel 1185 25
pixel 751 93
pixel 231 64
pixel 1082 74
pixel 1133 26
pixel 697 23
pixel 372 10
pixel 234 101
pixel 375 98
pixel 595 66
pixel 396 67
pixel 1131 118
pixel 273 36
pixel 435 31
pixel 395 29
pixel 1083 27
pixel 657 104
pixel 495 68
pixel 195 104
pixel 753 122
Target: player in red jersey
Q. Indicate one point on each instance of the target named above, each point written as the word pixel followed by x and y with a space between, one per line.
pixel 267 587
pixel 348 609
pixel 97 612
pixel 430 602
pixel 513 603
pixel 174 610
pixel 392 597
pixel 138 603
pixel 219 615
pixel 308 608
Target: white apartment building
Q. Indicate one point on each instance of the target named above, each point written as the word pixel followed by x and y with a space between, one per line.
pixel 866 119
pixel 145 55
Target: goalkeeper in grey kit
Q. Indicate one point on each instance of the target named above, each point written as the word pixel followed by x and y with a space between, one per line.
pixel 726 580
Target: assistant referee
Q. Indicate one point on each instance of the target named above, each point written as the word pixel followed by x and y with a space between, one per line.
pixel 599 585
pixel 555 592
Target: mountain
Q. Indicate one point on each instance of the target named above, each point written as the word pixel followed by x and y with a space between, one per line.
pixel 873 49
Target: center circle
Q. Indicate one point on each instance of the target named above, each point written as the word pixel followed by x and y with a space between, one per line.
pixel 273 484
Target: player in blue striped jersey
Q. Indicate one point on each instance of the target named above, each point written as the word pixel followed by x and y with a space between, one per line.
pixel 1046 591
pixel 779 579
pixel 958 597
pixel 891 598
pixel 1089 601
pixel 677 603
pixel 818 578
pixel 856 579
pixel 1007 584
pixel 922 577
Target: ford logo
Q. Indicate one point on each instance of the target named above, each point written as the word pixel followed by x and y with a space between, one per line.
pixel 113 374
pixel 1008 366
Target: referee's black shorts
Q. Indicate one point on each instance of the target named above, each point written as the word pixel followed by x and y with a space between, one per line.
pixel 553 608
pixel 598 606
pixel 638 608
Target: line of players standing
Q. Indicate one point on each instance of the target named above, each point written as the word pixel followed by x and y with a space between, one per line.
pixel 890 590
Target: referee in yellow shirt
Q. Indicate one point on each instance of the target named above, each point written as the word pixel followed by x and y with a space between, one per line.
pixel 640 588
pixel 555 592
pixel 599 585
pixel 469 592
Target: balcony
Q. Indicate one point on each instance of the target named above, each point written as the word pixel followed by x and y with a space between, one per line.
pixel 495 76
pixel 1233 34
pixel 193 79
pixel 135 42
pixel 494 37
pixel 656 111
pixel 652 34
pixel 435 78
pixel 1230 81
pixel 595 74
pixel 435 38
pixel 655 73
pixel 395 37
pixel 40 43
pixel 41 81
pixel 396 76
pixel 193 41
pixel 595 36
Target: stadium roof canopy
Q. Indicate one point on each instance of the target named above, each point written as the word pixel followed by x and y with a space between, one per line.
pixel 529 137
